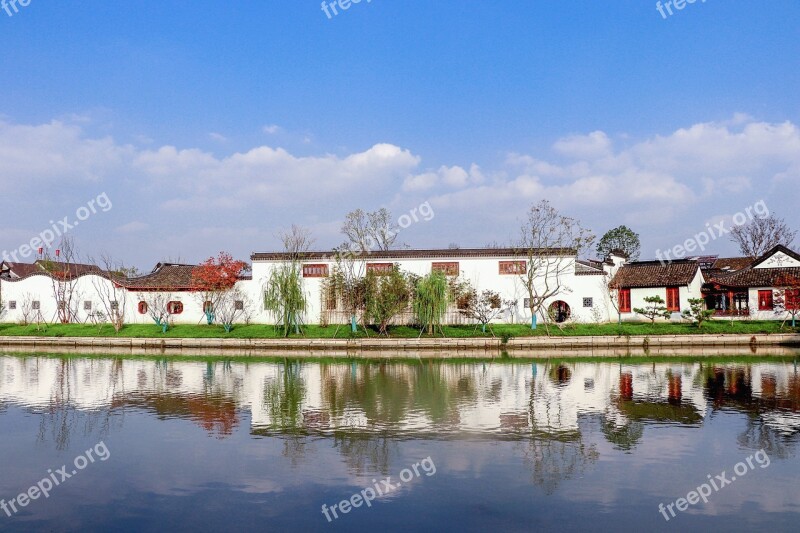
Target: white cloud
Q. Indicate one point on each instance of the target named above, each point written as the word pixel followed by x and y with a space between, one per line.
pixel 592 146
pixel 662 185
pixel 271 129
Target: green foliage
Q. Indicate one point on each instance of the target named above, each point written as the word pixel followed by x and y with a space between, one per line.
pixel 620 238
pixel 655 308
pixel 483 307
pixel 284 297
pixel 387 295
pixel 431 296
pixel 264 331
pixel 697 312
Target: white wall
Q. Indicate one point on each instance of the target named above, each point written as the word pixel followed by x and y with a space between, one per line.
pixel 85 289
pixel 483 273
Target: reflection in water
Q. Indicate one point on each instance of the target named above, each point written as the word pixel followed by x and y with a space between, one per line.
pixel 365 406
pixel 426 399
pixel 279 438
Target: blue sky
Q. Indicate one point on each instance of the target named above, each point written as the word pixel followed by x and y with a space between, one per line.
pixel 212 125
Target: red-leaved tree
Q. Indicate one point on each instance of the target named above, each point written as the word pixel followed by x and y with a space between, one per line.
pixel 787 296
pixel 214 280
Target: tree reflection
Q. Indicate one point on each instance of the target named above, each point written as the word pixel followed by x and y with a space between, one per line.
pixel 552 461
pixel 283 397
pixel 365 453
pixel 624 437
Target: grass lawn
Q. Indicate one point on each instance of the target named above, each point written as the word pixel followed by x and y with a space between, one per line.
pixel 260 331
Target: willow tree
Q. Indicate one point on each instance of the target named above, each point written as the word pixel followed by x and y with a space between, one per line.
pixel 431 297
pixel 284 297
pixel 283 294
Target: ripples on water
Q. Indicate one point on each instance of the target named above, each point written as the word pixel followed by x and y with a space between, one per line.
pixel 220 445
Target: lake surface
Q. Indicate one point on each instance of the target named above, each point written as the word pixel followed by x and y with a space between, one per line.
pixel 179 445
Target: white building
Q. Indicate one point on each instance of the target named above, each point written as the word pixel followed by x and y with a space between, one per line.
pixel 735 287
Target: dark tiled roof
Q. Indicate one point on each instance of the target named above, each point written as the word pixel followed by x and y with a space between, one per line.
pixel 449 253
pixel 758 277
pixel 588 268
pixel 731 264
pixel 72 270
pixel 773 251
pixel 53 268
pixel 755 277
pixel 164 276
pixel 654 274
pixel 20 270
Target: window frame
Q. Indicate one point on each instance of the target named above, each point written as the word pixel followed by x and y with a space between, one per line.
pixel 766 300
pixel 380 269
pixel 315 270
pixel 175 307
pixel 142 307
pixel 448 268
pixel 673 299
pixel 512 268
pixel 624 300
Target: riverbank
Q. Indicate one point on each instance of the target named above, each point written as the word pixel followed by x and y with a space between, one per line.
pixel 428 348
pixel 342 332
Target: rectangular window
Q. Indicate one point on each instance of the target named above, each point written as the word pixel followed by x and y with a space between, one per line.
pixel 114 305
pixel 35 305
pixel 624 300
pixel 315 271
pixel 448 268
pixel 765 301
pixel 87 305
pixel 12 304
pixel 239 305
pixel 526 303
pixel 673 299
pixel 512 267
pixel 380 268
pixel 588 302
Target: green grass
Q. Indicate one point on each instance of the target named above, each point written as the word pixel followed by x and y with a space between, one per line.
pixel 260 331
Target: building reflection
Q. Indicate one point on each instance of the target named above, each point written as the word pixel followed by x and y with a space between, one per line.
pixel 363 405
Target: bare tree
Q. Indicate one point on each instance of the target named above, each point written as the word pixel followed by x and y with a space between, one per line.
pixel 157 303
pixel 231 306
pixel 110 288
pixel 64 271
pixel 551 242
pixel 760 235
pixel 26 309
pixel 365 231
pixel 296 241
pixel 382 229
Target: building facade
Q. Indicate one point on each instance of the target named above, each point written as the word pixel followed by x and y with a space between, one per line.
pixel 587 291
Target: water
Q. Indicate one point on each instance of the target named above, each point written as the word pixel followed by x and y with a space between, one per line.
pixel 179 445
